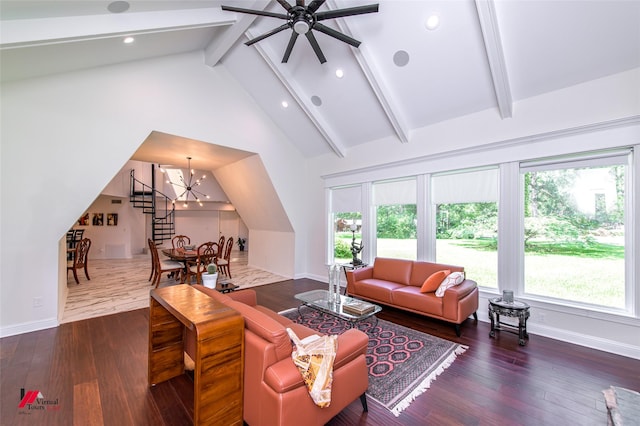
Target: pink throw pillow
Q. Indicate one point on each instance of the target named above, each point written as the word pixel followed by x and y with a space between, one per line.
pixel 451 280
pixel 434 280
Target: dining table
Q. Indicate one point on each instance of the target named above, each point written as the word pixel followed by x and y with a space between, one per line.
pixel 181 255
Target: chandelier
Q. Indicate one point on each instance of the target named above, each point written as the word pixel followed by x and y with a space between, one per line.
pixel 188 187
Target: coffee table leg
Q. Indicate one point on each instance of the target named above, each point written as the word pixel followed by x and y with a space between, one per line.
pixel 356 324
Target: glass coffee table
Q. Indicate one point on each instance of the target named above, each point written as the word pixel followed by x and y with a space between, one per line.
pixel 319 300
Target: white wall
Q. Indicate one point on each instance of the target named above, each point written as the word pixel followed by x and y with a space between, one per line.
pixel 76 130
pixel 114 242
pixel 596 115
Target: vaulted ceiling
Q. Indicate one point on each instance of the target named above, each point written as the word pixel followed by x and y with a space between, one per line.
pixel 483 55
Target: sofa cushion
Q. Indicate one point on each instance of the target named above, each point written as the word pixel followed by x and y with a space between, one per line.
pixel 422 270
pixel 376 289
pixel 281 319
pixel 432 283
pixel 409 297
pixel 265 327
pixel 455 278
pixel 394 270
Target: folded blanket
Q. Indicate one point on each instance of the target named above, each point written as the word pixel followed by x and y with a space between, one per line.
pixel 314 359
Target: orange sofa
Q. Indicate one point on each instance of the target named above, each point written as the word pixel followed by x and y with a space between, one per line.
pixel 274 392
pixel 397 283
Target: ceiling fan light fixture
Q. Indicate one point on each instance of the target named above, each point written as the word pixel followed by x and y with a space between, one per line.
pixel 301 26
pixel 304 19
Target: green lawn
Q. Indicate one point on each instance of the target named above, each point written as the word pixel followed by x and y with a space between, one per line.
pixel 591 273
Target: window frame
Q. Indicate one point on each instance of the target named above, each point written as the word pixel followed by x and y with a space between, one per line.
pixel 624 157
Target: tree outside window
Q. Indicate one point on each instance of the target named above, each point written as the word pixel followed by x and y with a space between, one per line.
pixel 574 233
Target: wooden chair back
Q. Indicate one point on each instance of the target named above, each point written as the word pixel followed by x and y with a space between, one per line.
pixel 82 252
pixel 80 259
pixel 227 249
pixel 220 246
pixel 207 253
pixel 179 241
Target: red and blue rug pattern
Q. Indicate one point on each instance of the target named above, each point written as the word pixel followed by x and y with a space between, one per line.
pixel 402 362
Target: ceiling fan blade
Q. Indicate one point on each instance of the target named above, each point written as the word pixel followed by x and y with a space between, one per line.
pixel 316 46
pixel 350 11
pixel 255 12
pixel 292 41
pixel 285 4
pixel 314 5
pixel 265 35
pixel 300 3
pixel 336 34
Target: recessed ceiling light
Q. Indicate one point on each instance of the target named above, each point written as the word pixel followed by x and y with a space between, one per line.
pixel 432 22
pixel 128 40
pixel 339 73
pixel 285 104
pixel 118 6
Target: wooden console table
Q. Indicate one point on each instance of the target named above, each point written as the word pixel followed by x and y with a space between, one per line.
pixel 219 357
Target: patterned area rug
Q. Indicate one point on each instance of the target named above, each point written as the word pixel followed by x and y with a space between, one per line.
pixel 402 362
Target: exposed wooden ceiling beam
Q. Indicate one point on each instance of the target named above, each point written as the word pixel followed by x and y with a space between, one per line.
pixel 220 45
pixel 495 55
pixel 375 80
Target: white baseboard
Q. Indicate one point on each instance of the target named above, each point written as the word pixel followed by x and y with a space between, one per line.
pixel 592 342
pixel 27 327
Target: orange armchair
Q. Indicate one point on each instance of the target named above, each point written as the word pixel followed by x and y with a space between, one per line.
pixel 274 392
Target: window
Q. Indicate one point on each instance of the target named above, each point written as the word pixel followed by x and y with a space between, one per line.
pixel 466 215
pixel 347 221
pixel 396 219
pixel 574 230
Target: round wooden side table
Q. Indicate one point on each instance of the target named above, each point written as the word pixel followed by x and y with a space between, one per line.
pixel 515 309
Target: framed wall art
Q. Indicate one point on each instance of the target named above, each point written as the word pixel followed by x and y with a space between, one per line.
pixel 112 219
pixel 98 219
pixel 84 220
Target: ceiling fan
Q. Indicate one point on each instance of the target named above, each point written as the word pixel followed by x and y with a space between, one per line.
pixel 303 19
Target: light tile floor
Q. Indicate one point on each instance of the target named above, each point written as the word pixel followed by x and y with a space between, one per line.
pixel 119 285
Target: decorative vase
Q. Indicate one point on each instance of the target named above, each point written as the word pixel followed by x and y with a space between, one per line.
pixel 334 284
pixel 209 280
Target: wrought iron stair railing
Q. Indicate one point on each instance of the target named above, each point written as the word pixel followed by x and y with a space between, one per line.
pixel 156 204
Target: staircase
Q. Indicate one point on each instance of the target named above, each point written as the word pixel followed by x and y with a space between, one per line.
pixel 155 203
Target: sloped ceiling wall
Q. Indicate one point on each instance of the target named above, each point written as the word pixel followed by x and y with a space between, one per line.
pixel 77 130
pixel 249 187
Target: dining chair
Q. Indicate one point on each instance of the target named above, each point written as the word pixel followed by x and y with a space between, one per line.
pixel 207 253
pixel 220 248
pixel 179 241
pixel 153 265
pixel 224 263
pixel 162 266
pixel 79 260
pixel 70 243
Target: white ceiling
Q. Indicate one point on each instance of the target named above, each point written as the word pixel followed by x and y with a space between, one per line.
pixel 484 55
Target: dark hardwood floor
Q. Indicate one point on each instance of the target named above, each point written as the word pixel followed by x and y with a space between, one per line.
pixel 94 372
